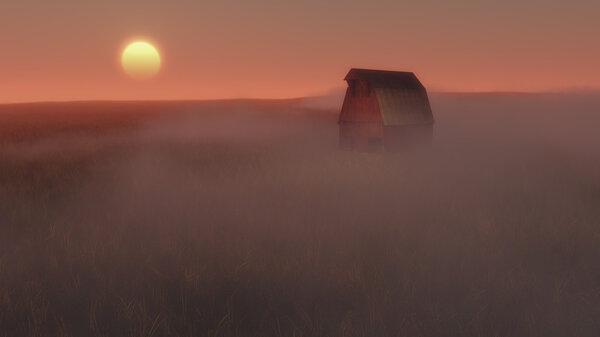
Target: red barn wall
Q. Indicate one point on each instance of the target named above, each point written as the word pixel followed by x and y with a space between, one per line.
pixel 360 106
pixel 361 126
pixel 361 136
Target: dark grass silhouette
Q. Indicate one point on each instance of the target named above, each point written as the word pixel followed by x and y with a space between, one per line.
pixel 243 219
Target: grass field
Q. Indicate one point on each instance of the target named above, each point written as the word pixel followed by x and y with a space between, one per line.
pixel 242 218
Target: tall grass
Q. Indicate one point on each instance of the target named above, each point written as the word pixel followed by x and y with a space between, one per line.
pixel 271 231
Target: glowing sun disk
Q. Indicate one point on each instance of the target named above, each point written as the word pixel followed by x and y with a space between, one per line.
pixel 140 60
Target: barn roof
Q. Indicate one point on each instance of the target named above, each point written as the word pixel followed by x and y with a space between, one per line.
pixel 401 96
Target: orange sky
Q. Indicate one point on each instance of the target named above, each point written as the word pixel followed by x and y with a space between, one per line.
pixel 69 49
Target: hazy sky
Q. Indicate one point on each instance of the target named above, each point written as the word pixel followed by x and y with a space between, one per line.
pixel 69 49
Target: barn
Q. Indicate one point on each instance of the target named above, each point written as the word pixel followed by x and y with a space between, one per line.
pixel 384 110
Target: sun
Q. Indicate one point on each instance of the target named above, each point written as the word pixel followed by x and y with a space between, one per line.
pixel 140 60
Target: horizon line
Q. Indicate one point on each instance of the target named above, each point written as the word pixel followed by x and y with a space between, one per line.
pixel 166 100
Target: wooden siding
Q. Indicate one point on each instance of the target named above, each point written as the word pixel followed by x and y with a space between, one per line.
pixel 360 104
pixel 401 106
pixel 361 136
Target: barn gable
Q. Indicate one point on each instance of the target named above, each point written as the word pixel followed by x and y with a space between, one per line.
pixel 401 98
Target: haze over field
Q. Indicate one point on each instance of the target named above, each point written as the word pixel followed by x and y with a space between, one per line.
pixel 175 168
pixel 239 218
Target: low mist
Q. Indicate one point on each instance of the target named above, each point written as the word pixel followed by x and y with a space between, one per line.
pixel 243 218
